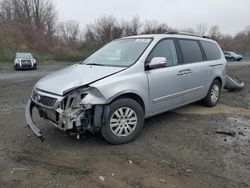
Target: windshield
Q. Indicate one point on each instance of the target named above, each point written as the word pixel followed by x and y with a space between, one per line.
pixel 23 55
pixel 123 52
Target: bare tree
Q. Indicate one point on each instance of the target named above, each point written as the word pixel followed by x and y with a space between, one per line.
pixel 90 38
pixel 69 32
pixel 214 32
pixel 201 29
pixel 187 30
pixel 153 27
pixel 32 20
pixel 103 31
pixel 105 27
pixel 5 11
pixel 242 41
pixel 131 27
pixel 227 42
pixel 247 29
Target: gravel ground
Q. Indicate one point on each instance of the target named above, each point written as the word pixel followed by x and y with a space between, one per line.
pixel 180 148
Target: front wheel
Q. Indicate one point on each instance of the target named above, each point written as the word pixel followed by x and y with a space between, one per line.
pixel 124 122
pixel 15 67
pixel 213 94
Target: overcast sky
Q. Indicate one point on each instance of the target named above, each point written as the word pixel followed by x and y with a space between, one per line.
pixel 230 15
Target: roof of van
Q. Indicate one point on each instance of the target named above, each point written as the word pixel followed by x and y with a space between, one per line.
pixel 159 36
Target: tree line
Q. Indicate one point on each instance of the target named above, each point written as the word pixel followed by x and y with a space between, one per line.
pixel 33 25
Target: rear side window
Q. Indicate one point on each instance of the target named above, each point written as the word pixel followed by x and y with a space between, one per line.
pixel 191 51
pixel 211 50
pixel 165 48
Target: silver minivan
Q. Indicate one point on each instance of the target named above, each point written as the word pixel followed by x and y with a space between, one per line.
pixel 128 80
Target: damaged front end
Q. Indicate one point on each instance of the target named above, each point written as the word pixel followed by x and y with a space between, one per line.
pixel 68 112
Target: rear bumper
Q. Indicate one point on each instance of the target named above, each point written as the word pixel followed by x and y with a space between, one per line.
pixel 28 114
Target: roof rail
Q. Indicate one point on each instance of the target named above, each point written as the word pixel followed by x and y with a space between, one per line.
pixel 188 34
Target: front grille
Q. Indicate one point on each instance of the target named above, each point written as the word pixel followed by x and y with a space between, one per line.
pixel 47 101
pixel 44 100
pixel 26 63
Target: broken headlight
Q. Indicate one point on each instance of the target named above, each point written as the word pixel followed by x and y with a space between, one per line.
pixel 78 99
pixel 77 96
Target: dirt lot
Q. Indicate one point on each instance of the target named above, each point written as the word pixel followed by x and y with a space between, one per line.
pixel 176 149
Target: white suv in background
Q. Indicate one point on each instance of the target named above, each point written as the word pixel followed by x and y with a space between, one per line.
pixel 24 61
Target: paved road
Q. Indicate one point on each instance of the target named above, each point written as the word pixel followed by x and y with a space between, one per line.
pixel 7 72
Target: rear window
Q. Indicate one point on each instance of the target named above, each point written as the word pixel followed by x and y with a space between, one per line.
pixel 191 51
pixel 211 50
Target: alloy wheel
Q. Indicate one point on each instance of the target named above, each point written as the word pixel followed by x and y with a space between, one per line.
pixel 123 121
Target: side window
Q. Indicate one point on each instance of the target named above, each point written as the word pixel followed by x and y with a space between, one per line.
pixel 191 51
pixel 211 50
pixel 165 48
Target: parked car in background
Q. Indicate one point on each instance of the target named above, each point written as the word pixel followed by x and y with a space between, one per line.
pixel 128 80
pixel 24 61
pixel 232 56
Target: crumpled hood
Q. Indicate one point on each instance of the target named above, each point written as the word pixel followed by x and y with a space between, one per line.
pixel 73 77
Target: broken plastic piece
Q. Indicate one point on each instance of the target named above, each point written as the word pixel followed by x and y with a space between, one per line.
pixel 233 84
pixel 28 114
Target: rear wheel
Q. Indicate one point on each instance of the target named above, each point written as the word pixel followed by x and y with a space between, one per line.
pixel 213 94
pixel 124 123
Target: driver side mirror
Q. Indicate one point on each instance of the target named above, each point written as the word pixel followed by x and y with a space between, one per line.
pixel 157 62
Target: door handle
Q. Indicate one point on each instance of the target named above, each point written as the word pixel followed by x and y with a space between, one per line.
pixel 183 72
pixel 180 74
pixel 188 72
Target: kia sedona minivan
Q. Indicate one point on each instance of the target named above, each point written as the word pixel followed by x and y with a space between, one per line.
pixel 127 81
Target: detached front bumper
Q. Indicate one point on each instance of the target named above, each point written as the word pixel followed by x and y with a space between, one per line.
pixel 28 114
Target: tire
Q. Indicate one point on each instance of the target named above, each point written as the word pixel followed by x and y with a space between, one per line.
pixel 15 67
pixel 232 59
pixel 213 94
pixel 117 130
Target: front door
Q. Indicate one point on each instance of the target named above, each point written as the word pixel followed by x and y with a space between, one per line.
pixel 166 84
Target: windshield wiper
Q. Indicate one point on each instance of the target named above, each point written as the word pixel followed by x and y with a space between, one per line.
pixel 95 64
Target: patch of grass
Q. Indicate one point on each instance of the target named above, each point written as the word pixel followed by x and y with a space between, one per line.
pixel 245 54
pixel 6 55
pixel 72 56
